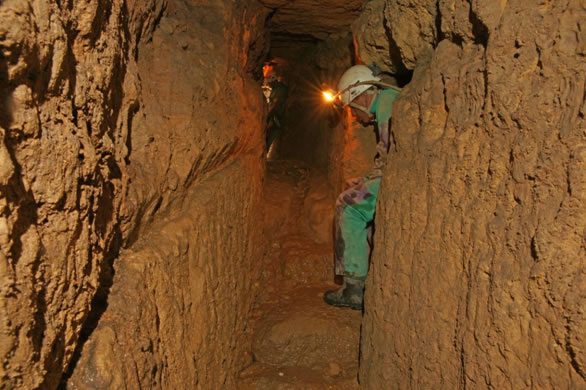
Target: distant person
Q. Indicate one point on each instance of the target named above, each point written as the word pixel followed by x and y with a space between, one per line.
pixel 371 102
pixel 277 100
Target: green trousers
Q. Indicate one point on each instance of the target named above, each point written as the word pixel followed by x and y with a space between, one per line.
pixel 354 211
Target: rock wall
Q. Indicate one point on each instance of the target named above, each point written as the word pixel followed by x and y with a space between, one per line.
pixel 396 34
pixel 307 17
pixel 177 312
pixel 477 278
pixel 116 116
pixel 354 152
pixel 63 176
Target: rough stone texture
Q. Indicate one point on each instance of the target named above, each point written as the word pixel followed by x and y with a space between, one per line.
pixel 318 211
pixel 317 18
pixel 478 274
pixel 357 155
pixel 190 293
pixel 300 334
pixel 104 130
pixel 397 34
pixel 297 227
pixel 195 270
pixel 369 34
pixel 302 338
pixel 64 182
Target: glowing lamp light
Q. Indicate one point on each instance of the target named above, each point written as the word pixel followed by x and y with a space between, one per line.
pixel 329 96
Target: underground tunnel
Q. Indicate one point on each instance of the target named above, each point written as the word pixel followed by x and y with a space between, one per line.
pixel 150 238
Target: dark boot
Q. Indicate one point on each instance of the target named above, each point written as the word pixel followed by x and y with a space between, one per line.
pixel 351 294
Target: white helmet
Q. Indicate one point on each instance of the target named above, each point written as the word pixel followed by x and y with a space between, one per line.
pixel 354 75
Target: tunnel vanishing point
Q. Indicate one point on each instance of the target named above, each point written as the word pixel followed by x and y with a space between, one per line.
pixel 134 242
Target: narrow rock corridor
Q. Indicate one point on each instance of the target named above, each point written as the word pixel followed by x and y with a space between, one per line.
pixel 148 241
pixel 298 341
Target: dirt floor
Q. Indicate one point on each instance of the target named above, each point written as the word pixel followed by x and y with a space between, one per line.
pixel 299 341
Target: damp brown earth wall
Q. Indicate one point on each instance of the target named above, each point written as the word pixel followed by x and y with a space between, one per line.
pixel 130 183
pixel 478 273
pixel 131 173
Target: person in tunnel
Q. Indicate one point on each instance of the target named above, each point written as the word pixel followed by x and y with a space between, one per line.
pixel 276 92
pixel 370 100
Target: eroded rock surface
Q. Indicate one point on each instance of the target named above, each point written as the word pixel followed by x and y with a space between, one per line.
pixel 478 273
pixel 312 17
pixel 64 179
pixel 396 34
pixel 177 313
pixel 115 115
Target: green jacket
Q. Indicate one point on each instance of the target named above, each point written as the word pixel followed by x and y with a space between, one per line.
pixel 382 108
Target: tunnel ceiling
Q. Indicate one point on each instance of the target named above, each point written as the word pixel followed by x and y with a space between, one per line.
pixel 311 18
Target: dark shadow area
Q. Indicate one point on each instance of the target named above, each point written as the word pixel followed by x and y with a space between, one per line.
pixel 479 29
pixel 438 24
pixel 280 40
pixel 395 54
pixel 5 93
pixel 404 78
